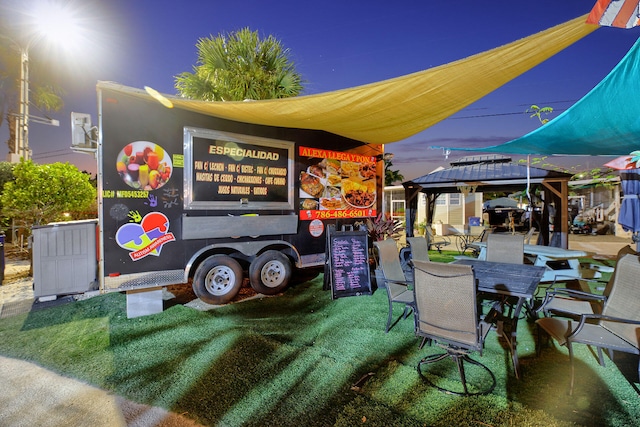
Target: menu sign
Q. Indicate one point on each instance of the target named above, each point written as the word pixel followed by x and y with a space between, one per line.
pixel 336 185
pixel 348 263
pixel 227 170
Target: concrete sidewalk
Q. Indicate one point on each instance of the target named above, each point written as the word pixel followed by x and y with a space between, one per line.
pixel 606 245
pixel 33 396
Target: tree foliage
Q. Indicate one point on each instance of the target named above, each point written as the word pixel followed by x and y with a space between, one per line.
pixel 44 193
pixel 539 111
pixel 6 173
pixel 238 66
pixel 391 176
pixel 601 176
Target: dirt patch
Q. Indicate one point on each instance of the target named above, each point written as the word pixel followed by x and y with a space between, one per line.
pixel 14 252
pixel 16 271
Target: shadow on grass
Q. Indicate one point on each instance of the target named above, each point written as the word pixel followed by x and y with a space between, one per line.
pixel 292 360
pixel 273 361
pixel 600 394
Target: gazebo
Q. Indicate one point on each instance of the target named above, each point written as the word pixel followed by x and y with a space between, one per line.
pixel 495 173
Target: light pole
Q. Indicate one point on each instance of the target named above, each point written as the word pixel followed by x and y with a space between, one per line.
pixel 64 22
pixel 22 120
pixel 22 134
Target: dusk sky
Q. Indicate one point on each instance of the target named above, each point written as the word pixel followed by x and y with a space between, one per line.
pixel 335 44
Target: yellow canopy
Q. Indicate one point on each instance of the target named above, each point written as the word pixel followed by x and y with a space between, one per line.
pixel 394 109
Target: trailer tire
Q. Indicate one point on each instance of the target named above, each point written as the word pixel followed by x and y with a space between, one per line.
pixel 270 273
pixel 217 279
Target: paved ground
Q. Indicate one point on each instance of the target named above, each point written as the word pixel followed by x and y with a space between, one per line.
pixel 33 396
pixel 605 245
pixel 16 287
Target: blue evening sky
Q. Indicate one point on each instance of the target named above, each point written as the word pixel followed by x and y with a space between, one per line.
pixel 335 44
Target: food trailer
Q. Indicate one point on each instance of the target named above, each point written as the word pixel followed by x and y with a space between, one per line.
pixel 188 197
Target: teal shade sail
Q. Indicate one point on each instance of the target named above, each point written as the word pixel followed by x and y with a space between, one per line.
pixel 604 122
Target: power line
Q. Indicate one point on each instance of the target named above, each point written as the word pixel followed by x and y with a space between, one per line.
pixel 54 151
pixel 499 114
pixel 51 154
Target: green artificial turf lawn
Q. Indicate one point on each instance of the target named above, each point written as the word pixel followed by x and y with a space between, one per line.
pixel 303 359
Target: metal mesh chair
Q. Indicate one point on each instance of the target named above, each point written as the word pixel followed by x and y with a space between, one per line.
pixel 419 248
pixel 572 303
pixel 475 251
pixel 446 313
pixel 617 328
pixel 394 279
pixel 437 242
pixel 507 248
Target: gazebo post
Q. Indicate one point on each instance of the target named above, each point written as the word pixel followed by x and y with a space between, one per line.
pixel 411 208
pixel 558 191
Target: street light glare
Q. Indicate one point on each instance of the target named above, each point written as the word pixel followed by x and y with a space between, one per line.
pixel 52 22
pixel 55 22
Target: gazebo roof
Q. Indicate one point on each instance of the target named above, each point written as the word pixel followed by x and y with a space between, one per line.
pixel 487 172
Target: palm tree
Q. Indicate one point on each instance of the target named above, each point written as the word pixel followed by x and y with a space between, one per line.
pixel 238 66
pixel 391 176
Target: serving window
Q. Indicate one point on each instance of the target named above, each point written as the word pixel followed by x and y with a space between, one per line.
pixel 224 170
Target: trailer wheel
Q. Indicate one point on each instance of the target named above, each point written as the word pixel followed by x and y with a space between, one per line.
pixel 270 273
pixel 217 279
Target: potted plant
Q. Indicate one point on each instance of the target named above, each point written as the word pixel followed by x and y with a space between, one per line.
pixel 383 227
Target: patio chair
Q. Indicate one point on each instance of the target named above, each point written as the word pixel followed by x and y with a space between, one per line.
pixel 394 279
pixel 446 314
pixel 507 248
pixel 571 302
pixel 436 242
pixel 419 248
pixel 616 328
pixel 483 238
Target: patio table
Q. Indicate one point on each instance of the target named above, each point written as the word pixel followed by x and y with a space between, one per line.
pixel 513 285
pixel 558 262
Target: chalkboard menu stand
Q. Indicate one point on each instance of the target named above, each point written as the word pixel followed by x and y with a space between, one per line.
pixel 346 269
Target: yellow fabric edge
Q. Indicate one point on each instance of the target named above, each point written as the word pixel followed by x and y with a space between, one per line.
pixel 391 110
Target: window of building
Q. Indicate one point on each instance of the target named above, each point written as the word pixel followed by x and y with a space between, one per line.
pixel 397 208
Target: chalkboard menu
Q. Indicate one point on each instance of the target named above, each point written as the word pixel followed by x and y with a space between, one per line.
pixel 347 263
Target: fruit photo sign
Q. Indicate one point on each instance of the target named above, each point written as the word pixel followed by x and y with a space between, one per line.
pixel 144 165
